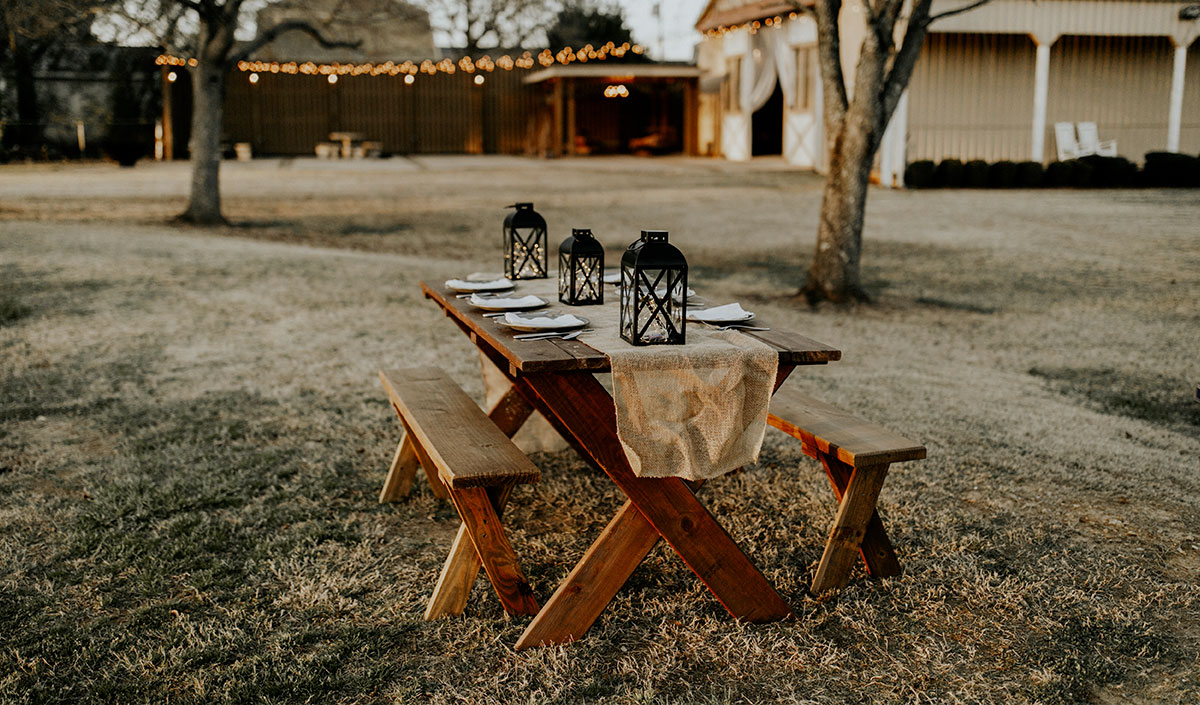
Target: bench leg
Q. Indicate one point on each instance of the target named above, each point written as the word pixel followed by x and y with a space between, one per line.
pixel 478 509
pixel 460 570
pixel 400 475
pixel 877 552
pixel 846 537
pixel 457 578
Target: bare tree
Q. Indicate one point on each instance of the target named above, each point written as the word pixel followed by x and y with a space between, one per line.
pixel 478 24
pixel 216 50
pixel 855 126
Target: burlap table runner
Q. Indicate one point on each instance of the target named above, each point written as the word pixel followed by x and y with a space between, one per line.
pixel 694 411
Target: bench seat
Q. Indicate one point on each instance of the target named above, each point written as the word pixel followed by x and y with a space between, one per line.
pixel 856 455
pixel 472 462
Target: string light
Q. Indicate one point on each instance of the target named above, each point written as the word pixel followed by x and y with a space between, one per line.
pixel 479 80
pixel 409 69
pixel 753 26
pixel 409 79
pixel 172 76
pixel 617 91
pixel 254 78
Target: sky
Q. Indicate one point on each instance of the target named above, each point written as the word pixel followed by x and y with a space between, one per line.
pixel 665 27
pixel 677 28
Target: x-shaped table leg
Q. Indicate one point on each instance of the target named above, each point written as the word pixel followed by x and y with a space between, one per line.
pixel 657 507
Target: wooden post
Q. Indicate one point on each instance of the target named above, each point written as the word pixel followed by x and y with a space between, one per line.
pixel 168 120
pixel 691 138
pixel 570 116
pixel 556 130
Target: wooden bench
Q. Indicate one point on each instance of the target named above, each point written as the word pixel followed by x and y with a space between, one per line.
pixel 856 455
pixel 470 460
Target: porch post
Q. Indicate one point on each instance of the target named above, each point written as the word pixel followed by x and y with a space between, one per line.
pixel 1041 91
pixel 1175 114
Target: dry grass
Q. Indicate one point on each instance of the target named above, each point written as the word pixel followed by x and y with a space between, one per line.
pixel 191 439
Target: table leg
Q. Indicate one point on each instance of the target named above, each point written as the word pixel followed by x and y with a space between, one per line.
pixel 876 550
pixel 587 410
pixel 594 581
pixel 846 537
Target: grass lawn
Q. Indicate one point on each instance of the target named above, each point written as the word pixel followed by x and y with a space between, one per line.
pixel 192 439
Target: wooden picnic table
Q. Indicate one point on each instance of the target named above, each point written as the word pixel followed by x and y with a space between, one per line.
pixel 347 139
pixel 556 378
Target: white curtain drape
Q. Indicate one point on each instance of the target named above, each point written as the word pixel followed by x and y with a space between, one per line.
pixel 768 59
pixel 785 63
pixel 758 74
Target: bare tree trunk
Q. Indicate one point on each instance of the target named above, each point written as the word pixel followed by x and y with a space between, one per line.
pixel 208 95
pixel 857 123
pixel 834 275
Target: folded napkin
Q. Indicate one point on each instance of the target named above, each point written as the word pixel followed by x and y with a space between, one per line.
pixel 464 285
pixel 498 302
pixel 728 312
pixel 563 321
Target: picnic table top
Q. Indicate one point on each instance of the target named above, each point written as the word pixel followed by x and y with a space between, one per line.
pixel 532 356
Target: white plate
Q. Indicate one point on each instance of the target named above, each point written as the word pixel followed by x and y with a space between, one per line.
pixel 524 322
pixel 729 313
pixel 465 287
pixel 499 303
pixel 484 276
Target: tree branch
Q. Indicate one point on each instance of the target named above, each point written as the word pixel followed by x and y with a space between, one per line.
pixel 833 80
pixel 957 11
pixel 265 38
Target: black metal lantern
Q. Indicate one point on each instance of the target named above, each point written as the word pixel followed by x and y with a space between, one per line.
pixel 525 250
pixel 581 269
pixel 653 291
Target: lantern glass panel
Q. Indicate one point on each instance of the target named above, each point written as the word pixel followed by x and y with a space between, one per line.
pixel 653 292
pixel 525 252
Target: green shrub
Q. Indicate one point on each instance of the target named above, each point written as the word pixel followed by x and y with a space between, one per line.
pixel 919 174
pixel 975 174
pixel 1073 173
pixel 1030 175
pixel 1169 169
pixel 1002 174
pixel 1111 172
pixel 949 174
pixel 1058 175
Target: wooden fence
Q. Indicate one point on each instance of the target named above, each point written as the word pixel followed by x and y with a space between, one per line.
pixel 444 113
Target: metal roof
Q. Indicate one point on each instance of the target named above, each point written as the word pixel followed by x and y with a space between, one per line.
pixel 625 71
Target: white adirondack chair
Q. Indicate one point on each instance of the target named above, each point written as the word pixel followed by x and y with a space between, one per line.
pixel 1064 140
pixel 1089 141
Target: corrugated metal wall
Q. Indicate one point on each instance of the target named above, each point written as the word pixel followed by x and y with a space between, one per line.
pixel 1123 84
pixel 290 114
pixel 971 97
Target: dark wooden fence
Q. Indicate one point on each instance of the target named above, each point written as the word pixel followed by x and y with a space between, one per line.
pixel 444 113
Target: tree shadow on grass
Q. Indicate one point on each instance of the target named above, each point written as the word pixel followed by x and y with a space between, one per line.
pixel 1157 398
